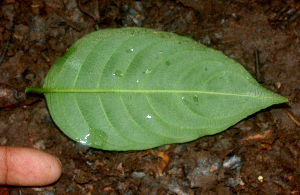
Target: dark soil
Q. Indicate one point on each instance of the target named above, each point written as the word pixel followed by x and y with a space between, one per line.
pixel 259 155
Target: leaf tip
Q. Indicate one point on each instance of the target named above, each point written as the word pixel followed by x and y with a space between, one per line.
pixel 283 99
pixel 286 99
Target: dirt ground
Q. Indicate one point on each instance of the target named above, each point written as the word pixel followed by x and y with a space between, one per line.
pixel 259 155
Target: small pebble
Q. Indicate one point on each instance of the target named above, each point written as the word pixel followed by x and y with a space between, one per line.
pixel 218 35
pixel 233 182
pixel 40 145
pixel 139 6
pixel 223 21
pixel 232 162
pixel 138 175
pixel 206 40
pixel 3 141
pixel 260 178
pixel 29 76
pixel 69 189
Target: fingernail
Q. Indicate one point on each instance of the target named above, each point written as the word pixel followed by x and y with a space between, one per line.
pixel 59 161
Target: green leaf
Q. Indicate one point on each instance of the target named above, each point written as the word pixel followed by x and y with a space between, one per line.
pixel 137 88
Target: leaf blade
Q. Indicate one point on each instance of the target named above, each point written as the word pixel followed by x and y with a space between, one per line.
pixel 136 88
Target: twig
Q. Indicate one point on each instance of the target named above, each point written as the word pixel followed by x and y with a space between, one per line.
pixel 7 43
pixel 257 67
pixel 295 121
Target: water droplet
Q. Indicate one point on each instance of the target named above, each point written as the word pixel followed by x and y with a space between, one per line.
pixel 148 71
pixel 184 100
pixel 168 63
pixel 137 81
pixel 118 73
pixel 129 50
pixel 148 116
pixel 160 51
pixel 195 98
pixel 85 139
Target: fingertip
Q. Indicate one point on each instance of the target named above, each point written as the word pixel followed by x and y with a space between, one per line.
pixel 29 167
pixel 57 170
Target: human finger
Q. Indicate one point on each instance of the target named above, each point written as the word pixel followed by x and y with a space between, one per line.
pixel 22 166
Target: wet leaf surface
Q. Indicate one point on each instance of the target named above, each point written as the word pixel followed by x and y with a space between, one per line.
pixel 136 88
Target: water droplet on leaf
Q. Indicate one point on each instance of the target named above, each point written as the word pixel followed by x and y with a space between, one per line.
pixel 129 50
pixel 184 99
pixel 84 141
pixel 148 71
pixel 195 98
pixel 118 73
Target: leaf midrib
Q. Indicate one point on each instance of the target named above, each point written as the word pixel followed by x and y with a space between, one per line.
pixel 46 90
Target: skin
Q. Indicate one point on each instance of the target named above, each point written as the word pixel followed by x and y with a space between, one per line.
pixel 20 166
